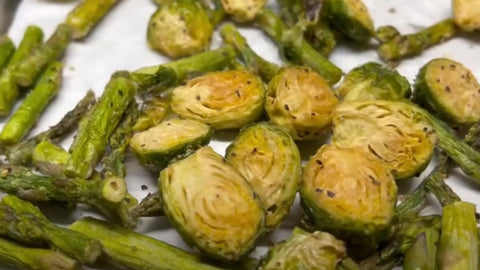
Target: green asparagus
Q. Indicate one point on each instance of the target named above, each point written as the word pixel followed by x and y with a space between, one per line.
pixel 86 15
pixel 422 253
pixel 7 48
pixel 50 159
pixel 150 206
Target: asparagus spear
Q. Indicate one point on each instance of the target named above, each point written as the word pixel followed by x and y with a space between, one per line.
pixel 86 15
pixel 422 253
pixel 34 258
pixel 6 50
pixel 401 46
pixel 50 159
pixel 136 251
pixel 459 238
pixel 32 37
pixel 27 70
pixel 150 206
pixel 21 154
pixel 295 49
pixel 25 223
pixel 24 118
pixel 94 131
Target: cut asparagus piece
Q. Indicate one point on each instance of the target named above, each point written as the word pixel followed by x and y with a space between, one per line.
pixel 27 70
pixel 86 15
pixel 402 46
pixel 27 114
pixel 21 154
pixel 422 254
pixel 9 91
pixel 25 223
pixel 7 48
pixel 34 258
pixel 150 206
pixel 94 131
pixel 136 251
pixel 50 159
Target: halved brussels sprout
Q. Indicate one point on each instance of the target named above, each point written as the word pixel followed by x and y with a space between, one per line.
pixel 154 111
pixel 223 99
pixel 450 89
pixel 466 14
pixel 391 131
pixel 156 146
pixel 318 250
pixel 349 193
pixel 180 28
pixel 269 160
pixel 373 81
pixel 212 206
pixel 301 101
pixel 242 10
pixel 350 17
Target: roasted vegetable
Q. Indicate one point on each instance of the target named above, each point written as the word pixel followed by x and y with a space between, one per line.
pixel 301 101
pixel 211 205
pixel 392 132
pixel 269 160
pixel 350 17
pixel 86 15
pixel 154 110
pixel 180 28
pixel 156 146
pixel 422 254
pixel 373 81
pixel 242 10
pixel 349 193
pixel 450 90
pixel 223 99
pixel 466 14
pixel 7 48
pixel 317 250
pixel 50 159
pixel 150 206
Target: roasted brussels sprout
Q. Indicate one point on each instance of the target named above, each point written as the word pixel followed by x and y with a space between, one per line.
pixel 391 131
pixel 350 17
pixel 301 101
pixel 269 160
pixel 180 28
pixel 318 250
pixel 349 193
pixel 373 81
pixel 212 206
pixel 156 146
pixel 154 111
pixel 466 14
pixel 450 90
pixel 242 10
pixel 224 99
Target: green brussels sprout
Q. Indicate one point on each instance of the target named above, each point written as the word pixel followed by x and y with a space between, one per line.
pixel 156 146
pixel 154 111
pixel 450 90
pixel 466 14
pixel 211 205
pixel 391 131
pixel 242 10
pixel 224 99
pixel 268 158
pixel 301 101
pixel 373 81
pixel 318 250
pixel 349 193
pixel 350 17
pixel 180 28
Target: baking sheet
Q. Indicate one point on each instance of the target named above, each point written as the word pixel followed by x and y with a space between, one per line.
pixel 119 43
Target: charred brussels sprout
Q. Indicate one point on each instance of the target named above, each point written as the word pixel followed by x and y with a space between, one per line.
pixel 318 250
pixel 269 160
pixel 224 99
pixel 450 90
pixel 180 28
pixel 466 14
pixel 213 207
pixel 350 17
pixel 301 101
pixel 242 10
pixel 154 111
pixel 348 192
pixel 373 81
pixel 156 146
pixel 391 131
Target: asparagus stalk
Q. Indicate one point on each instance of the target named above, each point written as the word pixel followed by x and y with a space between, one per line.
pixel 21 154
pixel 25 223
pixel 34 258
pixel 150 206
pixel 6 50
pixel 472 135
pixel 32 37
pixel 295 49
pixel 50 159
pixel 459 238
pixel 94 131
pixel 422 254
pixel 136 251
pixel 402 46
pixel 26 115
pixel 27 70
pixel 86 15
